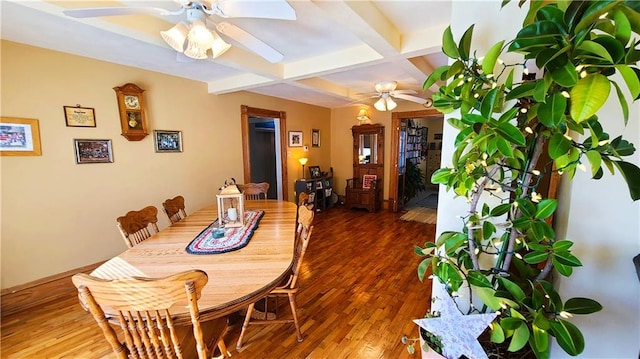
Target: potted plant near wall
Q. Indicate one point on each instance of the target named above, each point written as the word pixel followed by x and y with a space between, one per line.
pixel 506 254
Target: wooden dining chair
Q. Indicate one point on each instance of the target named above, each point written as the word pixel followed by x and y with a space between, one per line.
pixel 136 226
pixel 289 287
pixel 142 311
pixel 255 191
pixel 174 209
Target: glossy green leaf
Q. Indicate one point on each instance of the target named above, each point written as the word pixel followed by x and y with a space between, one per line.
pixel 504 147
pixel 527 208
pixel 441 176
pixel 582 306
pixel 514 289
pixel 631 174
pixel 519 339
pixel 490 58
pixel 623 103
pixel 535 257
pixel 422 268
pixel 510 323
pixel 508 83
pixel 546 207
pixel 630 78
pixel 511 133
pixel 558 146
pixel 565 76
pixel 488 103
pixel 595 161
pixel 487 296
pixel 596 49
pixel 524 90
pixel 588 96
pixel 595 10
pixel 568 337
pixel 478 279
pixel 537 35
pixel 541 321
pixel 562 245
pixel 551 113
pixel 561 268
pixel 540 339
pixel 567 258
pixel 435 76
pixel 622 27
pixel 464 47
pixel 497 334
pixel 448 44
pixel 500 209
pixel 488 229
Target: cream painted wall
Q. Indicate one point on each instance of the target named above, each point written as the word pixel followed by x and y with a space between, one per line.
pixel 342 119
pixel 57 215
pixel 597 215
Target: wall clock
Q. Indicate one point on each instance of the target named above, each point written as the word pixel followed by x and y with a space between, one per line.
pixel 133 119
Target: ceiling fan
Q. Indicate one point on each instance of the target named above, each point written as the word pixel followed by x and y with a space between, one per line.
pixel 386 92
pixel 193 38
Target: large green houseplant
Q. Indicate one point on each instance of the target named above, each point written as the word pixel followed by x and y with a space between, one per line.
pixel 506 252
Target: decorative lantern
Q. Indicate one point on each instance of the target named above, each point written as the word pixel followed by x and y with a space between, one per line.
pixel 230 205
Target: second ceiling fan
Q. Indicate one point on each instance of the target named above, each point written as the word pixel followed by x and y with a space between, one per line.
pixel 194 38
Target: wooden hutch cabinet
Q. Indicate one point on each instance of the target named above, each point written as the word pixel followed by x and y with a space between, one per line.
pixel 365 189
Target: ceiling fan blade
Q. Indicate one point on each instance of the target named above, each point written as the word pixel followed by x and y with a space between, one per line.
pixel 410 98
pixel 406 92
pixel 114 11
pixel 250 42
pixel 279 9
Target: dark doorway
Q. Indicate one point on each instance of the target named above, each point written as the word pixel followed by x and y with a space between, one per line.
pixel 262 147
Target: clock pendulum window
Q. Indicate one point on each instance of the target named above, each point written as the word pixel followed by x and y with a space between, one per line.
pixel 132 112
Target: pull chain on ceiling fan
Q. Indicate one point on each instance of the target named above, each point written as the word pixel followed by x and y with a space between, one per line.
pixel 194 39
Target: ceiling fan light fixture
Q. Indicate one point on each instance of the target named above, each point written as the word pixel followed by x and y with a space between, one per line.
pixel 390 104
pixel 195 52
pixel 219 46
pixel 380 105
pixel 199 36
pixel 176 36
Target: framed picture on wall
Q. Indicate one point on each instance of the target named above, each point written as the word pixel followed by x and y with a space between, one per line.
pixel 167 141
pixel 295 138
pixel 315 138
pixel 93 151
pixel 19 137
pixel 76 116
pixel 314 172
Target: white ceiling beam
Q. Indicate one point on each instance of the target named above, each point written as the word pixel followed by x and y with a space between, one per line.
pixel 236 83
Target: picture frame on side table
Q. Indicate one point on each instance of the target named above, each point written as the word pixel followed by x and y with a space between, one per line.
pixel 295 138
pixel 367 180
pixel 93 151
pixel 315 138
pixel 76 116
pixel 167 141
pixel 314 172
pixel 19 137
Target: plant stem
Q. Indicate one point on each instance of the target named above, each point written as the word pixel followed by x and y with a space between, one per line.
pixel 535 156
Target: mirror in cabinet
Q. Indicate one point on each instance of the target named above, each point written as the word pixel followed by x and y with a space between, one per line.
pixel 364 189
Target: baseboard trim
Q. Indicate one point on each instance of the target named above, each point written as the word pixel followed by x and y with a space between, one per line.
pixel 40 291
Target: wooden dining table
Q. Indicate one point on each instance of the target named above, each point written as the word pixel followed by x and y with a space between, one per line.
pixel 236 278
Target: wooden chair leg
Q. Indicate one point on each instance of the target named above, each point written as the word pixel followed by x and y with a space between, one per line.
pixel 247 318
pixel 223 348
pixel 292 303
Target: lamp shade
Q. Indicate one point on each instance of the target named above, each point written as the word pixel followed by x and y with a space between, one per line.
pixel 363 116
pixel 176 36
pixel 303 160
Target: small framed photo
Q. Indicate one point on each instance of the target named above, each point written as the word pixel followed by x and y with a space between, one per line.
pixel 93 151
pixel 19 137
pixel 367 180
pixel 76 116
pixel 295 138
pixel 437 136
pixel 167 141
pixel 315 138
pixel 314 172
pixel 319 185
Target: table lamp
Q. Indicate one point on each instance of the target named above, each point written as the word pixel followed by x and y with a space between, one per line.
pixel 303 161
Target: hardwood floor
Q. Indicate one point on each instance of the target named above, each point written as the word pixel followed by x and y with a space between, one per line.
pixel 359 293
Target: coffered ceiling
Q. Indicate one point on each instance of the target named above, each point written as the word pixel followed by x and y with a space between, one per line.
pixel 334 52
